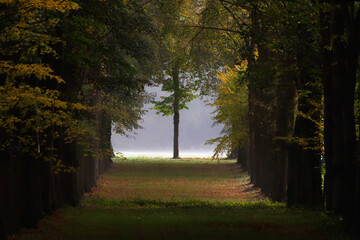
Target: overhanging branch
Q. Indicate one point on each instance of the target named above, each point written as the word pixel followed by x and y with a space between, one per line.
pixel 219 29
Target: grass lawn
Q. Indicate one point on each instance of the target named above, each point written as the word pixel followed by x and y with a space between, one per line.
pixel 181 199
pixel 176 180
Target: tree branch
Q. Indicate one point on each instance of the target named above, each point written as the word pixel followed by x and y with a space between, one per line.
pixel 231 13
pixel 193 38
pixel 238 4
pixel 219 29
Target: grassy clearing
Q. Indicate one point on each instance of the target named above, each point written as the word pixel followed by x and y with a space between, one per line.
pixel 181 199
pixel 176 180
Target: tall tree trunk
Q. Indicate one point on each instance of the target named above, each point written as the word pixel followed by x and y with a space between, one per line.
pixel 356 208
pixel 48 187
pixel 285 117
pixel 304 165
pixel 2 226
pixel 339 87
pixel 243 156
pixel 11 179
pixel 32 192
pixel 69 181
pixel 105 138
pixel 175 76
pixel 261 105
pixel 252 146
pixel 304 169
pixel 176 134
pixel 261 134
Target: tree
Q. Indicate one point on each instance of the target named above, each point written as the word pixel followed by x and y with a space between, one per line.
pixel 66 75
pixel 180 95
pixel 341 38
pixel 180 61
pixel 33 115
pixel 232 111
pixel 263 33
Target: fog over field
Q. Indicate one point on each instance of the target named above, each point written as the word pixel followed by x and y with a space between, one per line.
pixel 156 137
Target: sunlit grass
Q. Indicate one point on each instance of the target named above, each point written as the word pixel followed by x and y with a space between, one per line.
pixel 176 180
pixel 160 154
pixel 146 203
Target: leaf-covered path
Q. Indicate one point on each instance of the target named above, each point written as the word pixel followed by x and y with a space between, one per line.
pixel 180 199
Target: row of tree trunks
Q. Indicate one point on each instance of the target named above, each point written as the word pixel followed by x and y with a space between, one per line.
pixel 263 158
pixel 261 135
pixel 264 170
pixel 30 188
pixel 304 165
pixel 283 169
pixel 272 156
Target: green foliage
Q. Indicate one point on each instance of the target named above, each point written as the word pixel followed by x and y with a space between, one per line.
pixel 183 95
pixel 112 44
pixel 28 28
pixel 32 112
pixel 175 61
pixel 186 55
pixel 66 66
pixel 280 40
pixel 231 105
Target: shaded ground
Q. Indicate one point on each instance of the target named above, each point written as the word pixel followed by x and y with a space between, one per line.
pixel 182 199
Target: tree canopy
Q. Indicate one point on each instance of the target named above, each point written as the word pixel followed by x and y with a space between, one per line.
pixel 283 77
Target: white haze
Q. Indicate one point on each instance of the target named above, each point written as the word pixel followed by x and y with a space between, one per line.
pixel 156 137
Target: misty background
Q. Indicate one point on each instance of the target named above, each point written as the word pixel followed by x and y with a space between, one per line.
pixel 156 137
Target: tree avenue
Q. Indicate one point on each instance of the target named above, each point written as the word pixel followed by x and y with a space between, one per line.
pixel 301 81
pixel 69 73
pixel 283 77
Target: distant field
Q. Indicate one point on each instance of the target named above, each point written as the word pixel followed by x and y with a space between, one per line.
pixel 166 154
pixel 181 199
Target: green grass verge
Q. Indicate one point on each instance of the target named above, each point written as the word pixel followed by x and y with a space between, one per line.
pixel 181 199
pixel 192 203
pixel 142 219
pixel 140 160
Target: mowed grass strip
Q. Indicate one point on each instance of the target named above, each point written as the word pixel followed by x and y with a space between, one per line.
pixel 248 221
pixel 176 180
pixel 181 199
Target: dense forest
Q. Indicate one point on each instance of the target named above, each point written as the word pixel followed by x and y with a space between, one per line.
pixel 283 77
